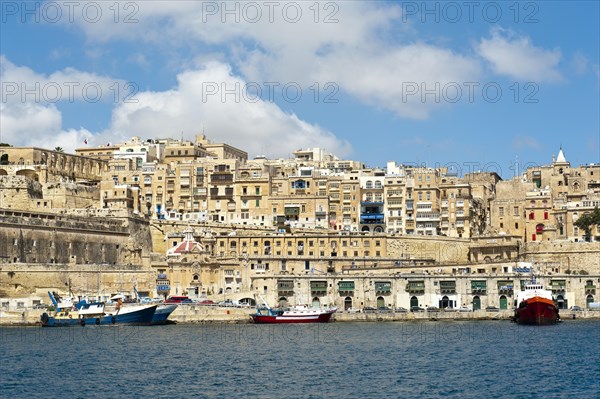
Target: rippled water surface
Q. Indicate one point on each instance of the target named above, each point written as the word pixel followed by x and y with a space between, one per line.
pixel 493 359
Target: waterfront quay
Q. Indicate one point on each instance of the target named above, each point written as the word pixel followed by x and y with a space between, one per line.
pixel 203 314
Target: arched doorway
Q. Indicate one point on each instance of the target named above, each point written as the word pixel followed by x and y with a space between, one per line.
pixel 414 302
pixel 589 299
pixel 444 303
pixel 249 301
pixel 503 302
pixel 28 173
pixel 365 228
pixel 380 302
pixel 347 303
pixel 378 229
pixel 561 303
pixel 316 303
pixel 476 303
pixel 283 302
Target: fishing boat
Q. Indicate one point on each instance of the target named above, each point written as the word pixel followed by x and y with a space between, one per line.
pixel 81 313
pixel 297 314
pixel 535 305
pixel 163 311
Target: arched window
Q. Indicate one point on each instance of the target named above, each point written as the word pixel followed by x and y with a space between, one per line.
pixel 377 184
pixel 369 184
pixel 589 299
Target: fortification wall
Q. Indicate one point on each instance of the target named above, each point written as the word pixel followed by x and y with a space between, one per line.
pixel 574 257
pixel 47 238
pixel 17 192
pixel 33 279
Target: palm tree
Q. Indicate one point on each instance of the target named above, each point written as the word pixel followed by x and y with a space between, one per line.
pixel 59 149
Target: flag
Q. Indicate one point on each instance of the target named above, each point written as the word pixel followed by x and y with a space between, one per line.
pixel 108 144
pixel 85 141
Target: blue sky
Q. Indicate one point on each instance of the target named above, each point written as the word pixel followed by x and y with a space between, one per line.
pixel 372 81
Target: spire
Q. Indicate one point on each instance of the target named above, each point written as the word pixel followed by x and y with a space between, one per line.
pixel 561 156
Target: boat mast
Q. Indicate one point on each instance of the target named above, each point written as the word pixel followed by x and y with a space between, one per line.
pixel 264 302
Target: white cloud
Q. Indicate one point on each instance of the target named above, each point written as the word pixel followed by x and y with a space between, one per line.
pixel 189 108
pixel 518 58
pixel 246 122
pixel 355 51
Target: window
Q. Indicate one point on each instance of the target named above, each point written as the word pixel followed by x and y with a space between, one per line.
pixel 516 211
pixel 516 225
pixel 545 215
pixel 501 211
pixel 531 215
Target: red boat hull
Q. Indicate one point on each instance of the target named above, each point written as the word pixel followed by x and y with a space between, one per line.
pixel 266 319
pixel 538 311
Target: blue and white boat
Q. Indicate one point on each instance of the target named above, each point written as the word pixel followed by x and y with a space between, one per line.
pixel 94 313
pixel 163 311
pixel 162 314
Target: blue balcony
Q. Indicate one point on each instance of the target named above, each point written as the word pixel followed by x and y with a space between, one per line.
pixel 371 218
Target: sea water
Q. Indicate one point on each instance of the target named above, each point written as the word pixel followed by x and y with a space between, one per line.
pixel 475 359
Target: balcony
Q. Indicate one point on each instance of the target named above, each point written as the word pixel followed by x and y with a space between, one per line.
pixel 372 218
pixel 346 287
pixel 447 287
pixel 318 288
pixel 428 217
pixel 285 288
pixel 558 287
pixel 416 288
pixel 383 288
pixel 478 287
pixel 505 288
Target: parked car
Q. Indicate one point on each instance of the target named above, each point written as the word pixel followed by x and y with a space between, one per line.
pixel 228 303
pixel 401 310
pixel 178 299
pixel 206 302
pixel 40 306
pixel 416 309
pixel 492 309
pixel 384 309
pixel 432 309
pixel 575 308
pixel 463 309
pixel 353 310
pixel 369 309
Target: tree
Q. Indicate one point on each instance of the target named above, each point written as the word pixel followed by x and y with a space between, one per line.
pixel 5 145
pixel 59 149
pixel 587 220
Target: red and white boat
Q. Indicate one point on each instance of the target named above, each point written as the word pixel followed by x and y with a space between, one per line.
pixel 535 306
pixel 297 314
